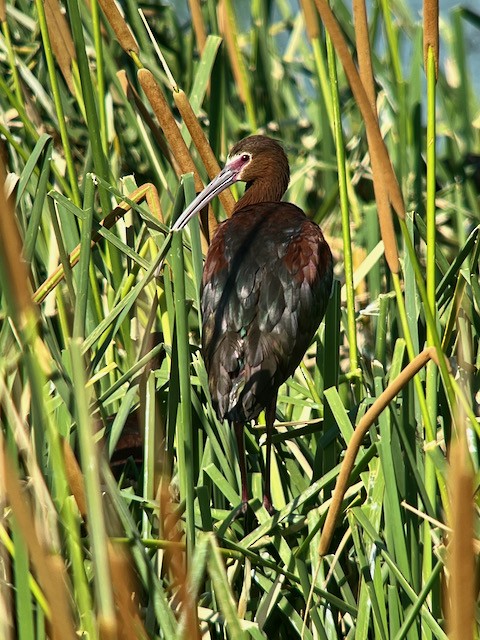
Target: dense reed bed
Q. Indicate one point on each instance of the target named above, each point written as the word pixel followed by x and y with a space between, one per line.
pixel 118 485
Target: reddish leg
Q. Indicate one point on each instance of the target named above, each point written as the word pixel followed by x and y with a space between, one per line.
pixel 269 419
pixel 239 435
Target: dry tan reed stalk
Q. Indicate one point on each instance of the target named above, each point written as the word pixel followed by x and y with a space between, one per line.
pixel 125 591
pixel 107 628
pixel 381 193
pixel 11 252
pixel 341 48
pixel 75 478
pixel 175 561
pixel 119 26
pixel 198 24
pixel 430 32
pixel 124 82
pixel 169 126
pixel 461 568
pixel 356 440
pixel 3 11
pixel 45 508
pixel 61 40
pixel 174 137
pixel 132 94
pixel 461 559
pixel 229 34
pixel 205 151
pixel 310 18
pixel 48 567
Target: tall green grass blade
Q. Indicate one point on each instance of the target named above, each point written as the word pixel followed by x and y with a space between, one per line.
pixel 90 466
pixel 185 436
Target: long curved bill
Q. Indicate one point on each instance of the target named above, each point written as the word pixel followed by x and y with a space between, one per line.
pixel 225 179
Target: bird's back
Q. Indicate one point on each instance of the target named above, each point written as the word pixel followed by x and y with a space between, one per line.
pixel 266 283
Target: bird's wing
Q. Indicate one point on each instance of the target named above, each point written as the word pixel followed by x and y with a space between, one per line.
pixel 266 284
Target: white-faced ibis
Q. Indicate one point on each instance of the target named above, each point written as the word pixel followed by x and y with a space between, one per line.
pixel 266 283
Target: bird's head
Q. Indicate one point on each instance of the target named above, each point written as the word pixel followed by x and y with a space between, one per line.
pixel 256 158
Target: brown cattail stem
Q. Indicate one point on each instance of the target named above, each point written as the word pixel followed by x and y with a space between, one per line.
pixel 168 124
pixel 132 94
pixel 311 19
pixel 430 32
pixel 229 34
pixel 198 24
pixel 461 558
pixel 228 30
pixel 461 568
pixel 381 193
pixel 120 27
pixel 205 151
pixel 333 28
pixel 360 430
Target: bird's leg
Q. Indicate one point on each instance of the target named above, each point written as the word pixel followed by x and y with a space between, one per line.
pixel 239 435
pixel 269 419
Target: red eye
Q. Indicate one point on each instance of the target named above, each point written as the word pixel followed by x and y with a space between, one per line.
pixel 245 157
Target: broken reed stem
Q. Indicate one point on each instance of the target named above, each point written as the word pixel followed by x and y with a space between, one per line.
pixel 119 26
pixel 341 48
pixel 147 191
pixel 205 151
pixel 430 33
pixel 169 126
pixel 198 24
pixel 359 433
pixel 381 193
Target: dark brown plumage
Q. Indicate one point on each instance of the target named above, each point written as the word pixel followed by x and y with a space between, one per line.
pixel 266 283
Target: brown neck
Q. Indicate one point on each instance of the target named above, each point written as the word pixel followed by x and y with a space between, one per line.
pixel 268 188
